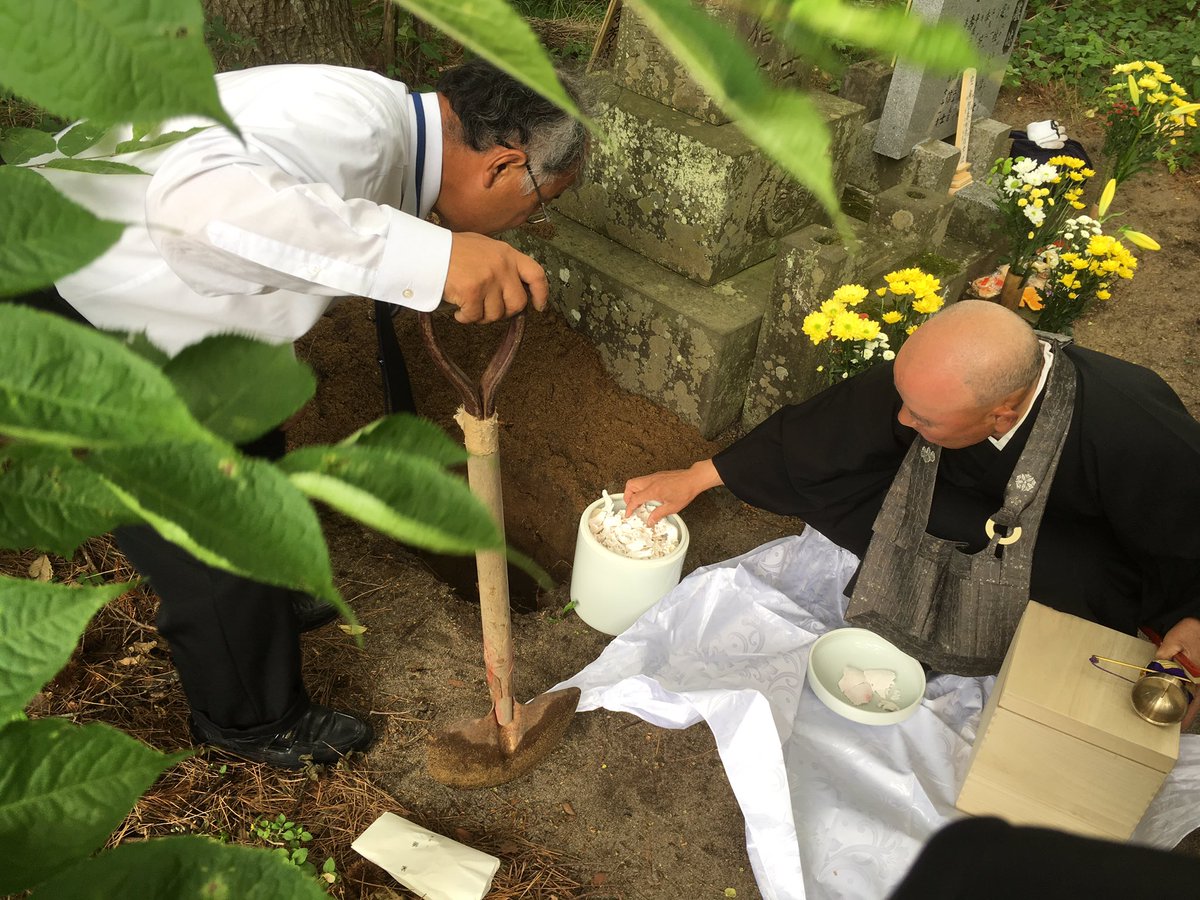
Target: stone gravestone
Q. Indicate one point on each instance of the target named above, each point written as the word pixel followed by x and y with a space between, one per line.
pixel 921 105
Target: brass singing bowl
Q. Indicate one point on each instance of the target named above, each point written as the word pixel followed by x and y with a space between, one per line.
pixel 1160 699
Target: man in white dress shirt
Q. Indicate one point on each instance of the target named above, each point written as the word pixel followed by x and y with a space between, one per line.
pixel 325 195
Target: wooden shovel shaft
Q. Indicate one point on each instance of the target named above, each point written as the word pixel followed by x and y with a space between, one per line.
pixel 481 438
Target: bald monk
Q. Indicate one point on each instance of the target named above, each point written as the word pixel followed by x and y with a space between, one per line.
pixel 1119 541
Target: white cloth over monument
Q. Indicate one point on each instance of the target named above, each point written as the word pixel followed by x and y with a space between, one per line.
pixel 833 809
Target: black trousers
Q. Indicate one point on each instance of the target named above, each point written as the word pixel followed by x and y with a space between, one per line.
pixel 988 859
pixel 235 642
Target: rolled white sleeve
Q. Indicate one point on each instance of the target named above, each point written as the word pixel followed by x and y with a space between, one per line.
pixel 249 229
pixel 288 210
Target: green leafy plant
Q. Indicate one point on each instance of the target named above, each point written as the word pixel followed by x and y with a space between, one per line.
pixel 1076 43
pixel 287 840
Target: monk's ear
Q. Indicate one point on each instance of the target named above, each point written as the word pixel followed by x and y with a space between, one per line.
pixel 1005 416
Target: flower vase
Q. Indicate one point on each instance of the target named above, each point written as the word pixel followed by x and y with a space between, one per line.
pixel 1014 285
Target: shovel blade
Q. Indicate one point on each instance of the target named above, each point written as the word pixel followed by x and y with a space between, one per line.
pixel 478 753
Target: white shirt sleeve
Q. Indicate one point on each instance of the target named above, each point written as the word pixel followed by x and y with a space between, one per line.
pixel 234 218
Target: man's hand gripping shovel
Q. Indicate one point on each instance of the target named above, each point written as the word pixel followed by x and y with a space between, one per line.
pixel 513 737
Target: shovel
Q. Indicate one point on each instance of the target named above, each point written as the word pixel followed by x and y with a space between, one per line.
pixel 513 737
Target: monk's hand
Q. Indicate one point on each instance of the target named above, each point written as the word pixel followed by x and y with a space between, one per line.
pixel 489 280
pixel 674 489
pixel 1184 638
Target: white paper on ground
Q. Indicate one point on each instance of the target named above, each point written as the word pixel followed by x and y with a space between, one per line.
pixel 427 863
pixel 833 809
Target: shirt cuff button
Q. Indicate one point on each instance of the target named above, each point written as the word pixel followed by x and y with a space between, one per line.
pixel 407 293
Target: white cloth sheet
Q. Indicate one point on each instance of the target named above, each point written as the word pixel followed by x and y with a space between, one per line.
pixel 833 809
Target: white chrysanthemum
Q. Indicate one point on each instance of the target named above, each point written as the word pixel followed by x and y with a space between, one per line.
pixel 1036 215
pixel 889 354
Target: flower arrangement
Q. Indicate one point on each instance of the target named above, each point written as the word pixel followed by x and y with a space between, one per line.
pixel 861 329
pixel 1034 200
pixel 1082 267
pixel 1146 126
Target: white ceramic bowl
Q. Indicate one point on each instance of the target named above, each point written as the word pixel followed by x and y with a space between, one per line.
pixel 863 649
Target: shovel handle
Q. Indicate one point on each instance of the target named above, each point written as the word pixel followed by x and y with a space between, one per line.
pixel 478 399
pixel 481 437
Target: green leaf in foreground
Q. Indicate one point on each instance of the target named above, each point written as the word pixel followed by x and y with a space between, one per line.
pixel 19 145
pixel 942 47
pixel 80 137
pixel 50 501
pixel 184 867
pixel 43 235
pixel 404 496
pixel 222 381
pixel 228 510
pixel 94 166
pixel 68 385
pixel 405 433
pixel 146 143
pixel 40 625
pixel 494 30
pixel 785 124
pixel 114 62
pixel 63 789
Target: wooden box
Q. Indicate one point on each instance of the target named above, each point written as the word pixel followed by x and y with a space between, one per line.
pixel 1059 744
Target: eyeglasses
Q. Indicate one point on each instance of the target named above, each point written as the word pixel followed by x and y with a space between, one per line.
pixel 541 216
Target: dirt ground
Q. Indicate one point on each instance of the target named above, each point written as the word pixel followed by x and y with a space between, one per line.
pixel 621 809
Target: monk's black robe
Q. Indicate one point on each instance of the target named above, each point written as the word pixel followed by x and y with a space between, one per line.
pixel 1120 538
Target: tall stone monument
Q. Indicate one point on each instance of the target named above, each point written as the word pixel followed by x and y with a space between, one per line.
pixel 921 105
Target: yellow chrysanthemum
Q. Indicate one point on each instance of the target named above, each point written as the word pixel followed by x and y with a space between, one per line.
pixel 1153 66
pixel 1148 83
pixel 850 294
pixel 1071 162
pixel 910 329
pixel 832 307
pixel 1126 68
pixel 892 317
pixel 868 330
pixel 928 305
pixel 1102 295
pixel 816 326
pixel 845 326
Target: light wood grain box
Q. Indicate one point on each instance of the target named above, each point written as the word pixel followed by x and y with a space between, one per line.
pixel 1059 744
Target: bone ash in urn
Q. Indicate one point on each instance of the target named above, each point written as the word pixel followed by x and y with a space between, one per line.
pixel 631 536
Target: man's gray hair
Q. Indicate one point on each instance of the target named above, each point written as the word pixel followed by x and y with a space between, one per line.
pixel 496 110
pixel 992 383
pixel 998 355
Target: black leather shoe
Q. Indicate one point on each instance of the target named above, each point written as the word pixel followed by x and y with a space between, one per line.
pixel 312 613
pixel 322 735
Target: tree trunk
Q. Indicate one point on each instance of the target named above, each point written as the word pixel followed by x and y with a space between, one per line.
pixel 262 32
